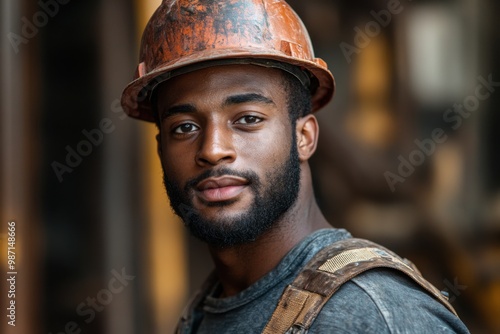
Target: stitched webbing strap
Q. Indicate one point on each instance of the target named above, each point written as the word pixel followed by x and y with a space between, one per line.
pixel 336 264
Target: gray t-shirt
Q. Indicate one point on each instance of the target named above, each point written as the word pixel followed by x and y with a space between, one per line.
pixel 377 301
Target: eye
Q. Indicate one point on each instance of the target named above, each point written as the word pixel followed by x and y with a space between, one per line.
pixel 185 128
pixel 249 119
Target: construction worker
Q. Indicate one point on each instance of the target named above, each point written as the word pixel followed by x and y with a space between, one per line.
pixel 233 87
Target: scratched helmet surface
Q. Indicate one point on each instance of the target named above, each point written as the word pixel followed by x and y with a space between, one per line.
pixel 183 35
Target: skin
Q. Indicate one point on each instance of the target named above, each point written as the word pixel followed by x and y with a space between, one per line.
pixel 200 130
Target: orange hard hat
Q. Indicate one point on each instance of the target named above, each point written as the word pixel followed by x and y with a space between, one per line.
pixel 185 35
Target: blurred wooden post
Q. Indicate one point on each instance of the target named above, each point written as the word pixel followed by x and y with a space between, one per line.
pixel 167 251
pixel 18 202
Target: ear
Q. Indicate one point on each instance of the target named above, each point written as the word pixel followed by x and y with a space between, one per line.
pixel 307 130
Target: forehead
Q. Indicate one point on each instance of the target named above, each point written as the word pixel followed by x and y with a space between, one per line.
pixel 220 81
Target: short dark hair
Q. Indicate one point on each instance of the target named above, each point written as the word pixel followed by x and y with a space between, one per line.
pixel 298 96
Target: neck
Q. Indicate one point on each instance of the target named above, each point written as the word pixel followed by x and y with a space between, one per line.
pixel 240 266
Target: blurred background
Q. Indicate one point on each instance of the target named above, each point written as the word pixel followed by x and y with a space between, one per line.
pixel 408 157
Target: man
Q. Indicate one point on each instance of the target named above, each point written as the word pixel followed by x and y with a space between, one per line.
pixel 232 86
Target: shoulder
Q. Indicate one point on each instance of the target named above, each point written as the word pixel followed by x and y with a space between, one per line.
pixel 385 301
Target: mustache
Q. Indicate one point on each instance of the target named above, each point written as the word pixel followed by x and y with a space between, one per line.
pixel 250 176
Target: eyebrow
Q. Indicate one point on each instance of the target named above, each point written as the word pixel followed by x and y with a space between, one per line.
pixel 178 109
pixel 245 98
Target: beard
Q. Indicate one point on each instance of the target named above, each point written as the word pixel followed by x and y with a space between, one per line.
pixel 272 198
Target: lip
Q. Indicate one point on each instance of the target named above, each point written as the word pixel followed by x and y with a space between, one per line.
pixel 220 189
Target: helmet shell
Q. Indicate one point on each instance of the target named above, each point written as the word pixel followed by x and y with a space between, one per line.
pixel 185 33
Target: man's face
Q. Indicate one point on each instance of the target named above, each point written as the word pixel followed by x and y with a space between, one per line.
pixel 228 151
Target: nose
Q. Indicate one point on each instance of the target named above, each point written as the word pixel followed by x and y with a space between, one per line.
pixel 216 146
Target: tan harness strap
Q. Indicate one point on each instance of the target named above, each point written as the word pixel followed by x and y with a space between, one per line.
pixel 334 265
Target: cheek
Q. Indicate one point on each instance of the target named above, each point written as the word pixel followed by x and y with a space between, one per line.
pixel 268 148
pixel 176 161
